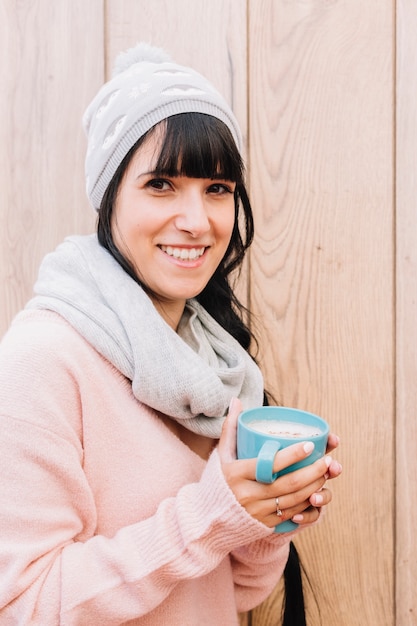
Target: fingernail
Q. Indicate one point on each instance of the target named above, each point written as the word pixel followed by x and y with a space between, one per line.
pixel 328 460
pixel 308 446
pixel 318 499
pixel 297 518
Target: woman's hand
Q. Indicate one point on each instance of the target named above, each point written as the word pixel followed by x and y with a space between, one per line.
pixel 299 495
pixel 321 498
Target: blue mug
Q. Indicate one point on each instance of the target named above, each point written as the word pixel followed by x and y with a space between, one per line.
pixel 262 431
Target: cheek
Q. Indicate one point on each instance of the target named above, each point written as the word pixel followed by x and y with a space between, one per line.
pixel 228 224
pixel 124 221
pixel 225 220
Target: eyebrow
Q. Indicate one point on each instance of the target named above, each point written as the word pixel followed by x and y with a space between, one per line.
pixel 150 173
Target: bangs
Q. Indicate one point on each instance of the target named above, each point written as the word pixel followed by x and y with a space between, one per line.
pixel 198 146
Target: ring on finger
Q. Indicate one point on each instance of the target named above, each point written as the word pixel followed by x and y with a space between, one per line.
pixel 279 512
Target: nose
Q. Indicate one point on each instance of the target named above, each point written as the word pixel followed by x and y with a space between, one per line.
pixel 192 216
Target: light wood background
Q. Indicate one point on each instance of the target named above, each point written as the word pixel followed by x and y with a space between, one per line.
pixel 325 92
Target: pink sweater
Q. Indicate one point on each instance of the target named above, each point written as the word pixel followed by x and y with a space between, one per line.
pixel 106 517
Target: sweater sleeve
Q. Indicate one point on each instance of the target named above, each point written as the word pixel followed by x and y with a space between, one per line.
pixel 257 568
pixel 54 569
pixel 51 576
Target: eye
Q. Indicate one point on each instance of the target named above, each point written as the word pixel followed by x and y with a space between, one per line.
pixel 221 188
pixel 159 184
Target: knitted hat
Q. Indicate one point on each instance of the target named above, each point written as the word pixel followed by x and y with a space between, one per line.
pixel 146 87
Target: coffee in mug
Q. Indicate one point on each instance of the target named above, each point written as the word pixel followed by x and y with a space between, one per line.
pixel 281 428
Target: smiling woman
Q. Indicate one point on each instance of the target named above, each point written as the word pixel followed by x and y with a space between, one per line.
pixel 122 380
pixel 190 174
pixel 174 230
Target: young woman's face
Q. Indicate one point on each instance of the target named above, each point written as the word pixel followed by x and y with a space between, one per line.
pixel 173 230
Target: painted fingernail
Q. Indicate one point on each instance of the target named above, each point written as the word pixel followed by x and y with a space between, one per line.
pixel 328 460
pixel 318 499
pixel 298 518
pixel 308 446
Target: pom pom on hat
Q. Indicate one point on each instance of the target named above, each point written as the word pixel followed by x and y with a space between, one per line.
pixel 139 53
pixel 146 87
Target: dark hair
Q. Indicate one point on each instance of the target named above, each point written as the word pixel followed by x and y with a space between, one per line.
pixel 199 146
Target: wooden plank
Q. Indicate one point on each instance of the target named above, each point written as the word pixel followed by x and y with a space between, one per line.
pixel 321 127
pixel 406 231
pixel 49 75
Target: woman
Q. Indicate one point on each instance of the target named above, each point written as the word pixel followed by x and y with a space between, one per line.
pixel 122 499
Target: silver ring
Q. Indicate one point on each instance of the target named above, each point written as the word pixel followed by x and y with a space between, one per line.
pixel 279 512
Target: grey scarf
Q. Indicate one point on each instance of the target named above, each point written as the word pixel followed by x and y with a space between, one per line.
pixel 190 375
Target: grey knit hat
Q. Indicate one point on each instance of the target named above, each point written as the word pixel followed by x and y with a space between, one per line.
pixel 146 87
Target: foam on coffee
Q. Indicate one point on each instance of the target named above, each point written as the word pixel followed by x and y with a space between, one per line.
pixel 281 428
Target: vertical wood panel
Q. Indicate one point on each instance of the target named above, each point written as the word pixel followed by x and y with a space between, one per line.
pixel 406 178
pixel 51 62
pixel 321 115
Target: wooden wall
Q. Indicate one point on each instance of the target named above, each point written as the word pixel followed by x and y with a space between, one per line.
pixel 405 347
pixel 325 92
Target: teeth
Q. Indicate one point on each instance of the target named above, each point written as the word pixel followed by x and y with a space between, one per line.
pixel 185 254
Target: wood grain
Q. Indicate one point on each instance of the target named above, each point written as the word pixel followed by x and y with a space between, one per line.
pixel 321 115
pixel 49 75
pixel 406 233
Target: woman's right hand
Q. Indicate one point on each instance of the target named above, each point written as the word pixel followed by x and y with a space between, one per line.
pixel 295 491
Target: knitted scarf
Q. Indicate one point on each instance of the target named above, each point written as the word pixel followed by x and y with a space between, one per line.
pixel 190 375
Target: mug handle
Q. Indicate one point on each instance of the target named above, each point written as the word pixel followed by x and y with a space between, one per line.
pixel 265 462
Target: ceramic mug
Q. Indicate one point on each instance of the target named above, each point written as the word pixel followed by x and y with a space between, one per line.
pixel 262 431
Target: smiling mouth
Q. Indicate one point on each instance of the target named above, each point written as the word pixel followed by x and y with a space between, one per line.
pixel 185 254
